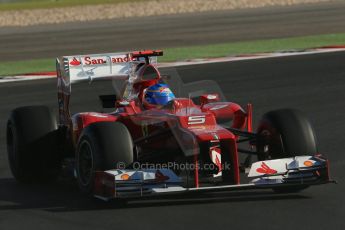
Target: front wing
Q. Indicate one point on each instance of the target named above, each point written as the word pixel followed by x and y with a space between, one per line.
pixel 296 171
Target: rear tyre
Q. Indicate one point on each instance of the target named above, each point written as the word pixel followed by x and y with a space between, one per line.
pixel 102 146
pixel 32 145
pixel 285 133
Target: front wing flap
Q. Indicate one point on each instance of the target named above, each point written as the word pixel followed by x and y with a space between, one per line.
pixel 296 171
pixel 290 171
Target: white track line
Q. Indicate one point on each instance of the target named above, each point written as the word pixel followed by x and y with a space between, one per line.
pixel 6 79
pixel 23 78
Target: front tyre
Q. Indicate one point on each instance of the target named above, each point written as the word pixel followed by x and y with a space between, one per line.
pixel 285 133
pixel 102 146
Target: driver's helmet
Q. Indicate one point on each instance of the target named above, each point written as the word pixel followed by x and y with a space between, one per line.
pixel 158 95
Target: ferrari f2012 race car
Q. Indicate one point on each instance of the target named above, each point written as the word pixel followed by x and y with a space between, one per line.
pixel 153 142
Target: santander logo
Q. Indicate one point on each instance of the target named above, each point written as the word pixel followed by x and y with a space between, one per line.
pixel 94 61
pixel 265 169
pixel 88 60
pixel 75 62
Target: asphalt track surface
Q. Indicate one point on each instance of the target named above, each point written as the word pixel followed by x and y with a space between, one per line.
pixel 312 83
pixel 49 41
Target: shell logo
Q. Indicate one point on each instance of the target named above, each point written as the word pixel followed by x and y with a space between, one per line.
pixel 308 163
pixel 125 176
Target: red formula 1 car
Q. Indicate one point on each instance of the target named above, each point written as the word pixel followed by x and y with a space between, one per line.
pixel 147 146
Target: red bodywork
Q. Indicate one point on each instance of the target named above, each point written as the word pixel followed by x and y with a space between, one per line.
pixel 181 128
pixel 198 131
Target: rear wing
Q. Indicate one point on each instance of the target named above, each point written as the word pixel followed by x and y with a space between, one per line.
pixel 87 68
pixel 81 68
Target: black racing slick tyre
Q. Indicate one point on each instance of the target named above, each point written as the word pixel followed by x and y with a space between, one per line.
pixel 102 146
pixel 32 145
pixel 285 133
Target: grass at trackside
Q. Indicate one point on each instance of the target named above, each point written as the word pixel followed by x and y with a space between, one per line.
pixel 36 4
pixel 20 67
pixel 218 50
pixel 226 49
